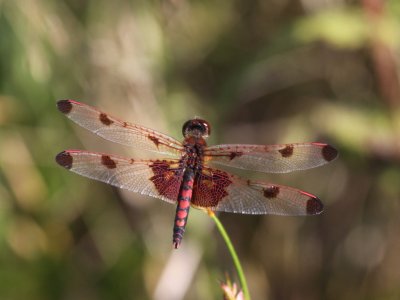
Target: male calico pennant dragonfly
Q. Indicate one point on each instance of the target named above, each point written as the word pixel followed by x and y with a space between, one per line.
pixel 189 176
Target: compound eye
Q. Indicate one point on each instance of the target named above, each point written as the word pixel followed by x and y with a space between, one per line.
pixel 196 128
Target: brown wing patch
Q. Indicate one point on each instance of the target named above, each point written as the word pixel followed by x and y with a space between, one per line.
pixel 235 154
pixel 64 106
pixel 166 178
pixel 210 187
pixel 329 153
pixel 64 159
pixel 287 151
pixel 105 119
pixel 314 206
pixel 155 140
pixel 271 192
pixel 108 162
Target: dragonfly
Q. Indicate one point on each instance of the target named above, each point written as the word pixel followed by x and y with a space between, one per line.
pixel 192 173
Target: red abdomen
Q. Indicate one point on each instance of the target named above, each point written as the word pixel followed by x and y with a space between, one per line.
pixel 182 210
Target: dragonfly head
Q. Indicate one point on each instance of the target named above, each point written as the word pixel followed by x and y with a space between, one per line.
pixel 197 128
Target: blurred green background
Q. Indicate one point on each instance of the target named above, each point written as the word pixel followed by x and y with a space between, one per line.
pixel 261 72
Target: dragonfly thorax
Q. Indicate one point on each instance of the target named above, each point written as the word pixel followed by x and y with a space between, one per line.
pixel 194 148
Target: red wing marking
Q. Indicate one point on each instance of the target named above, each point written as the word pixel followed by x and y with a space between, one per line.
pixel 210 187
pixel 220 191
pixel 119 131
pixel 167 178
pixel 287 151
pixel 271 158
pixel 157 178
pixel 108 162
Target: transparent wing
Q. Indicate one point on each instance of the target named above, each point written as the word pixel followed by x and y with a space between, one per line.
pixel 157 178
pixel 118 131
pixel 221 191
pixel 271 158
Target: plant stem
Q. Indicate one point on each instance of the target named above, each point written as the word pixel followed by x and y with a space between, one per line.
pixel 235 258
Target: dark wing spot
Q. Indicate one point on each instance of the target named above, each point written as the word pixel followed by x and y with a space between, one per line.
pixel 329 153
pixel 210 188
pixel 235 154
pixel 271 192
pixel 64 159
pixel 108 162
pixel 166 180
pixel 154 140
pixel 105 120
pixel 287 151
pixel 314 206
pixel 64 106
pixel 125 124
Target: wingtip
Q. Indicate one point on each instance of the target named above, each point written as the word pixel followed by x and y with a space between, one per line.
pixel 64 106
pixel 329 153
pixel 64 159
pixel 314 206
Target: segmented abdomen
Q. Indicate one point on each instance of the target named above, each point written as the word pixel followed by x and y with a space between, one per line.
pixel 182 210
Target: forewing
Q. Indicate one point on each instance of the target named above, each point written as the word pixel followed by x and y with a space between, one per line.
pixel 271 158
pixel 221 191
pixel 157 178
pixel 119 131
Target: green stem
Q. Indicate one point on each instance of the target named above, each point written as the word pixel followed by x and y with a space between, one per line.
pixel 235 258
